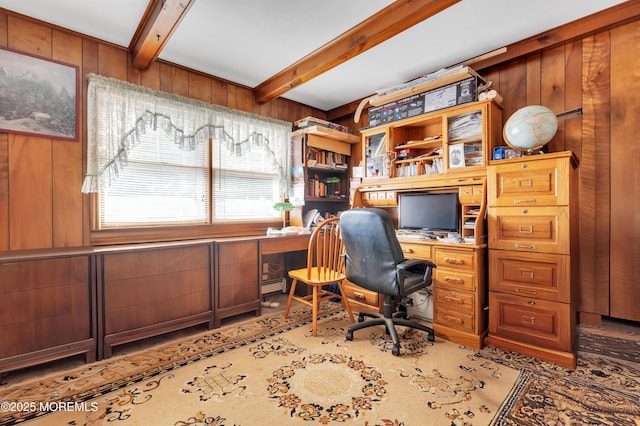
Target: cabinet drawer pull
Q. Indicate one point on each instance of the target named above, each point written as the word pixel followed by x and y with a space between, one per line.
pixel 528 320
pixel 520 290
pixel 453 319
pixel 453 280
pixel 527 273
pixel 525 183
pixel 529 201
pixel 520 246
pixel 454 300
pixel 407 250
pixel 531 302
pixel 525 229
pixel 358 295
pixel 453 261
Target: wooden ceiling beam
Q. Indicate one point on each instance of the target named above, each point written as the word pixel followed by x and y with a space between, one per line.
pixel 388 22
pixel 158 23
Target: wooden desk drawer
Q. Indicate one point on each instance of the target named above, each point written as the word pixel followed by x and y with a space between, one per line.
pixel 416 251
pixel 455 279
pixel 458 320
pixel 541 275
pixel 536 182
pixel 361 295
pixel 456 259
pixel 448 300
pixel 531 321
pixel 471 194
pixel 379 198
pixel 531 229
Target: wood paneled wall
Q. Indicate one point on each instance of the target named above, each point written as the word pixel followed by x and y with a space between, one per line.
pixel 41 205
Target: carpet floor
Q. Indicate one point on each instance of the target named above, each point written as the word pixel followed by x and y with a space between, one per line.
pixel 272 371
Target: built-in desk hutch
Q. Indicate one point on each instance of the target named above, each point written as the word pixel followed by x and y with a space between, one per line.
pixel 445 151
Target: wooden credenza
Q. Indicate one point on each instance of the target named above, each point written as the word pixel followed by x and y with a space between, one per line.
pixel 533 269
pixel 147 290
pixel 48 307
pixel 64 302
pixel 237 287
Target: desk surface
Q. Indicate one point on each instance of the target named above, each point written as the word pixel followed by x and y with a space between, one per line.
pixel 283 243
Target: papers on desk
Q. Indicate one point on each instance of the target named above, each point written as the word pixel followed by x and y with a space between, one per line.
pixel 289 230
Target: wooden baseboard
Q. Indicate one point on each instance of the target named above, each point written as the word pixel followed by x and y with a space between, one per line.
pixel 564 359
pixel 587 318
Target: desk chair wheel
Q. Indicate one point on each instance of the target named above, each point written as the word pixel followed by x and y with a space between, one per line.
pixel 395 350
pixel 349 336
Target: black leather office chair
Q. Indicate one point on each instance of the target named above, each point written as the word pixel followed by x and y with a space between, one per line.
pixel 374 261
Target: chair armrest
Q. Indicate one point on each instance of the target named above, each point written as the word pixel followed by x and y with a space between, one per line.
pixel 403 267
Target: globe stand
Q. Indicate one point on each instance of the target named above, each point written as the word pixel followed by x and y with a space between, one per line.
pixel 532 151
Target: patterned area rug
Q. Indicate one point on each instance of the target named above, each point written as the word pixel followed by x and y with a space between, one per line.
pixel 272 371
pixel 602 390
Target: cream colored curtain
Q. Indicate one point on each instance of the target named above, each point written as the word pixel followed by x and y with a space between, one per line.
pixel 119 112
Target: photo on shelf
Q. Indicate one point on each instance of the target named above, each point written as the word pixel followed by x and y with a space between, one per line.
pixel 456 156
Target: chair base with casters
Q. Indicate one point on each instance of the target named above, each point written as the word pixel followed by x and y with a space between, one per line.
pixel 374 261
pixel 390 319
pixel 325 266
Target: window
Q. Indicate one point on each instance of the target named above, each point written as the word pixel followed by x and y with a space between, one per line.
pixel 244 186
pixel 161 184
pixel 157 159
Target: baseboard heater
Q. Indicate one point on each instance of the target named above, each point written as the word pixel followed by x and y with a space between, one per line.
pixel 272 286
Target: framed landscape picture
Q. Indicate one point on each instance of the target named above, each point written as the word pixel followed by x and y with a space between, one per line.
pixel 38 96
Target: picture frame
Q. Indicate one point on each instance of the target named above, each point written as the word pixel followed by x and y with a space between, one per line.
pixel 456 156
pixel 40 96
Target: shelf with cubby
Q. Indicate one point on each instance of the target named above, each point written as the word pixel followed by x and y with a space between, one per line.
pixel 454 140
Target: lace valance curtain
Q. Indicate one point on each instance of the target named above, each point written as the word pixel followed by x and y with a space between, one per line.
pixel 119 112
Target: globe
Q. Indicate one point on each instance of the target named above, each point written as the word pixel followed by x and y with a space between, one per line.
pixel 530 128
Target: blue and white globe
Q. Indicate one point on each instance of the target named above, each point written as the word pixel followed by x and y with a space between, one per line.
pixel 530 127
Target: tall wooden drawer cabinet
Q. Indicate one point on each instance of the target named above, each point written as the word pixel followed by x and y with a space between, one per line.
pixel 533 271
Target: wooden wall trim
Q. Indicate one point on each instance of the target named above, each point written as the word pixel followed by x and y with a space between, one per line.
pixel 614 16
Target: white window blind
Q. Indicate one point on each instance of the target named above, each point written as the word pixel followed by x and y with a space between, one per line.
pixel 161 184
pixel 244 187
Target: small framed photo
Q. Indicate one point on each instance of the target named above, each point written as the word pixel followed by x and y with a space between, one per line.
pixel 39 96
pixel 456 156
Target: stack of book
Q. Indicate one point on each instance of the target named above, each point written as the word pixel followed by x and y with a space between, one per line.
pixel 313 121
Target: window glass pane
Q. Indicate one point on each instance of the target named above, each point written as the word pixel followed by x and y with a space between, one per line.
pixel 161 184
pixel 245 186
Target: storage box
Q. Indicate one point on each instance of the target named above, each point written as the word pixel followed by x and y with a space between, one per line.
pixel 394 111
pixel 458 93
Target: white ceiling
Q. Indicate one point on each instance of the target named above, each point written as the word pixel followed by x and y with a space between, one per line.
pixel 248 41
